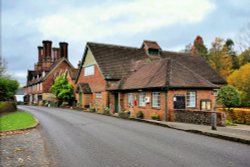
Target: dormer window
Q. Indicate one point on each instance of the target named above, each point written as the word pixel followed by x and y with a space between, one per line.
pixel 153 51
pixel 151 47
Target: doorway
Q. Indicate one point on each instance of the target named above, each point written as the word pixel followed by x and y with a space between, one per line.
pixel 179 102
pixel 116 102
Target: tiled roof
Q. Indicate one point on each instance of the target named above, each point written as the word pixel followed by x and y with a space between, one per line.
pixel 83 88
pixel 151 44
pixel 120 62
pixel 197 64
pixel 162 73
pixel 113 60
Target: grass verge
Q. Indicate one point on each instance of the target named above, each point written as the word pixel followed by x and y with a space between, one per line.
pixel 16 121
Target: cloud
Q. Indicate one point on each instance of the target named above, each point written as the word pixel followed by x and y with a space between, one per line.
pixel 123 18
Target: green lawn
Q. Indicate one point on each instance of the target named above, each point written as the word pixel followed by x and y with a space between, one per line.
pixel 16 120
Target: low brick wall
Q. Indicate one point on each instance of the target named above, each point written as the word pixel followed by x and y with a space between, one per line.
pixel 197 117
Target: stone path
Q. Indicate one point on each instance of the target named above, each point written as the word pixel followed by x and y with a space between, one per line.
pixel 24 148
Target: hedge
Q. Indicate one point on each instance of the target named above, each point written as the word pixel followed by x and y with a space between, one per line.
pixel 239 115
pixel 7 106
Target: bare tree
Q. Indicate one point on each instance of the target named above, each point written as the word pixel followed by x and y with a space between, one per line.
pixel 3 66
pixel 243 40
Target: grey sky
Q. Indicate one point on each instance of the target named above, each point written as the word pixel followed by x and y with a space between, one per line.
pixel 173 24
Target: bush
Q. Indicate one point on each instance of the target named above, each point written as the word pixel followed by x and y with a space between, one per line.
pixel 124 114
pixel 92 109
pixel 155 116
pixel 139 114
pixel 7 106
pixel 239 115
pixel 106 111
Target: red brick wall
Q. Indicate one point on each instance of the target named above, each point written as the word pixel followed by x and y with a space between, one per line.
pixel 97 84
pixel 96 81
pixel 50 79
pixel 200 95
pixel 148 109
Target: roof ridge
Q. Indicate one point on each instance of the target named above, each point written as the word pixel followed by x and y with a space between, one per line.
pixel 113 45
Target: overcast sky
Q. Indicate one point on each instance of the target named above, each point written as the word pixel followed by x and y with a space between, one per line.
pixel 172 23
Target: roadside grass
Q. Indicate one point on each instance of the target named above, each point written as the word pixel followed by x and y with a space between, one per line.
pixel 16 121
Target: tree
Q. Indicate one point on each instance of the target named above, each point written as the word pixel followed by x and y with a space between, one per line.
pixel 215 52
pixel 8 88
pixel 244 38
pixel 188 48
pixel 2 66
pixel 219 58
pixel 226 65
pixel 199 48
pixel 230 46
pixel 228 97
pixel 62 89
pixel 244 57
pixel 241 80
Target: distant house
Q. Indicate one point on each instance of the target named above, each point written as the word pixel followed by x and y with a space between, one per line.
pixel 20 95
pixel 51 63
pixel 146 79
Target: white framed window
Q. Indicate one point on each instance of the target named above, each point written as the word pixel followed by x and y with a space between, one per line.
pixel 206 105
pixel 98 95
pixel 191 99
pixel 89 70
pixel 142 102
pixel 130 99
pixel 156 99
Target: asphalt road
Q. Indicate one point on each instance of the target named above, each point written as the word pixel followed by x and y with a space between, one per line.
pixel 79 139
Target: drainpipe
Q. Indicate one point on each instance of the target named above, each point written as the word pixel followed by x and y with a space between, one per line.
pixel 165 105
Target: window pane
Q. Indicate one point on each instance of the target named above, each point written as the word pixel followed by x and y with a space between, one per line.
pixel 89 70
pixel 130 99
pixel 98 95
pixel 191 99
pixel 156 99
pixel 142 102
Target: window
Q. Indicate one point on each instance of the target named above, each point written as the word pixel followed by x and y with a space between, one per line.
pixel 216 92
pixel 156 99
pixel 206 105
pixel 191 99
pixel 130 99
pixel 153 51
pixel 89 70
pixel 142 102
pixel 98 95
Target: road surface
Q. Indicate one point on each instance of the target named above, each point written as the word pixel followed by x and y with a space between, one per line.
pixel 80 139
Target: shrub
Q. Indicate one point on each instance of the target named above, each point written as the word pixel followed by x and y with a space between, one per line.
pixel 92 109
pixel 7 106
pixel 139 114
pixel 106 111
pixel 239 115
pixel 124 114
pixel 155 116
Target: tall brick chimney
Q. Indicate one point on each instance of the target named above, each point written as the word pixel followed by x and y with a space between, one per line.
pixel 47 50
pixel 64 49
pixel 56 54
pixel 40 54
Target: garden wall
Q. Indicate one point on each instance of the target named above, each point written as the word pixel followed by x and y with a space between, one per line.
pixel 197 117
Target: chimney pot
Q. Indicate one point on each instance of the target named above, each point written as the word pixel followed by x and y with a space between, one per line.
pixel 47 50
pixel 64 49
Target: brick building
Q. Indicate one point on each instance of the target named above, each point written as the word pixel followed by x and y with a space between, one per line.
pixel 51 63
pixel 145 79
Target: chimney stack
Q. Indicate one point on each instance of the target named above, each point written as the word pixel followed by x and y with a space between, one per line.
pixel 47 50
pixel 56 53
pixel 40 54
pixel 64 49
